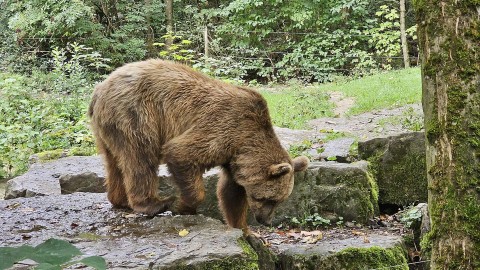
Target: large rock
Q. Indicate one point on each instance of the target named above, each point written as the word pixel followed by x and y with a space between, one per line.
pixel 124 239
pixel 375 251
pixel 332 190
pixel 398 164
pixel 43 178
pixel 327 188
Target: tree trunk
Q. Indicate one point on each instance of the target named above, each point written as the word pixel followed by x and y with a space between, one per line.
pixel 449 36
pixel 151 52
pixel 169 21
pixel 205 40
pixel 403 35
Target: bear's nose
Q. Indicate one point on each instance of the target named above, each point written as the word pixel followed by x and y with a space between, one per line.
pixel 262 219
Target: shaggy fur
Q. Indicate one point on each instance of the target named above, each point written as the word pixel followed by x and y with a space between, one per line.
pixel 153 112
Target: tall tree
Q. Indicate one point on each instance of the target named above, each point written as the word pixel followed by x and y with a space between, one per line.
pixel 169 20
pixel 449 34
pixel 403 35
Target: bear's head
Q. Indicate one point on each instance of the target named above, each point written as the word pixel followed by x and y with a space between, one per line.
pixel 266 189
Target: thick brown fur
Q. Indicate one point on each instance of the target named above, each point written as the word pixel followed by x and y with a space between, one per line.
pixel 153 112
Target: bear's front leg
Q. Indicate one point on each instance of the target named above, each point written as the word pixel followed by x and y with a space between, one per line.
pixel 189 181
pixel 232 200
pixel 141 185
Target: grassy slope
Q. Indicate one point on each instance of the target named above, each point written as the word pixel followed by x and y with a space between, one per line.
pixel 383 90
pixel 292 106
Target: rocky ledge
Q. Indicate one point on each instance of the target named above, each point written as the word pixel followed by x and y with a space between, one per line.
pixel 131 241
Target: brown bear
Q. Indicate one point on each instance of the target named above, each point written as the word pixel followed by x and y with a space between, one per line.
pixel 153 112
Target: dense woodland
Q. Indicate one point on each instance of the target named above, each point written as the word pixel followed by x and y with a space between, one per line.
pixel 243 39
pixel 53 52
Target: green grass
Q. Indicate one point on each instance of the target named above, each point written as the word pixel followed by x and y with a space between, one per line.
pixel 384 90
pixel 293 105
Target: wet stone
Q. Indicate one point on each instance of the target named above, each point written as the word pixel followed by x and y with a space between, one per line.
pixel 122 238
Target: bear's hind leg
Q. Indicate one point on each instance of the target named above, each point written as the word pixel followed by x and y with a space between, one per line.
pixel 141 184
pixel 232 200
pixel 114 179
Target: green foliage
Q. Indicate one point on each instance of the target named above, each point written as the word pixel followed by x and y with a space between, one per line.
pixel 410 216
pixel 300 149
pixel 52 254
pixel 267 40
pixel 386 34
pixel 177 50
pixel 310 221
pixel 38 113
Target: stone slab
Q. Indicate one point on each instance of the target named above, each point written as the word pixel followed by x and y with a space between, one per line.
pixel 124 239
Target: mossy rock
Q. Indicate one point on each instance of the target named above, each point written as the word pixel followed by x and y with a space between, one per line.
pixel 398 164
pixel 332 190
pixel 351 253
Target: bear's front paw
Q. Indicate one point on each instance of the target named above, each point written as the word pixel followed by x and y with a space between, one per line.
pixel 153 206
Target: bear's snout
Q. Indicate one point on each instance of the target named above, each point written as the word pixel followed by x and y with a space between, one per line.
pixel 264 215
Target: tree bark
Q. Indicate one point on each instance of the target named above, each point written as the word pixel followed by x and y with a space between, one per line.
pixel 169 21
pixel 449 36
pixel 151 52
pixel 205 40
pixel 403 35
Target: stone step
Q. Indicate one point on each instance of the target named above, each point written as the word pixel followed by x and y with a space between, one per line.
pixel 131 241
pixel 123 239
pixel 327 188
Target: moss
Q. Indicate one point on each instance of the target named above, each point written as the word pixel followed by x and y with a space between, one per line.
pixel 350 259
pixel 373 190
pixel 432 130
pixel 82 151
pixel 51 155
pixel 374 257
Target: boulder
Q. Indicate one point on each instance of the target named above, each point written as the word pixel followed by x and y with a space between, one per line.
pixel 124 239
pixel 43 177
pixel 332 190
pixel 328 188
pixel 357 251
pixel 399 166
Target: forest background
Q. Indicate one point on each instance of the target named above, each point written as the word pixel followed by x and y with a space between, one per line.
pixel 53 52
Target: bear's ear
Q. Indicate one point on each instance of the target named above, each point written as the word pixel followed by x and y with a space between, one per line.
pixel 300 163
pixel 279 169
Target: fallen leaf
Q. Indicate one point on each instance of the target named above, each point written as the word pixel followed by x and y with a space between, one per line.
pixel 357 233
pixel 13 205
pixel 183 233
pixel 365 239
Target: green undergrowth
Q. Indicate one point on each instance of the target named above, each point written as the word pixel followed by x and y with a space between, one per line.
pixel 41 112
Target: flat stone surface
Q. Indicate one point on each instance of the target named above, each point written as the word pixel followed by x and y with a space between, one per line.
pixel 124 239
pixel 338 150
